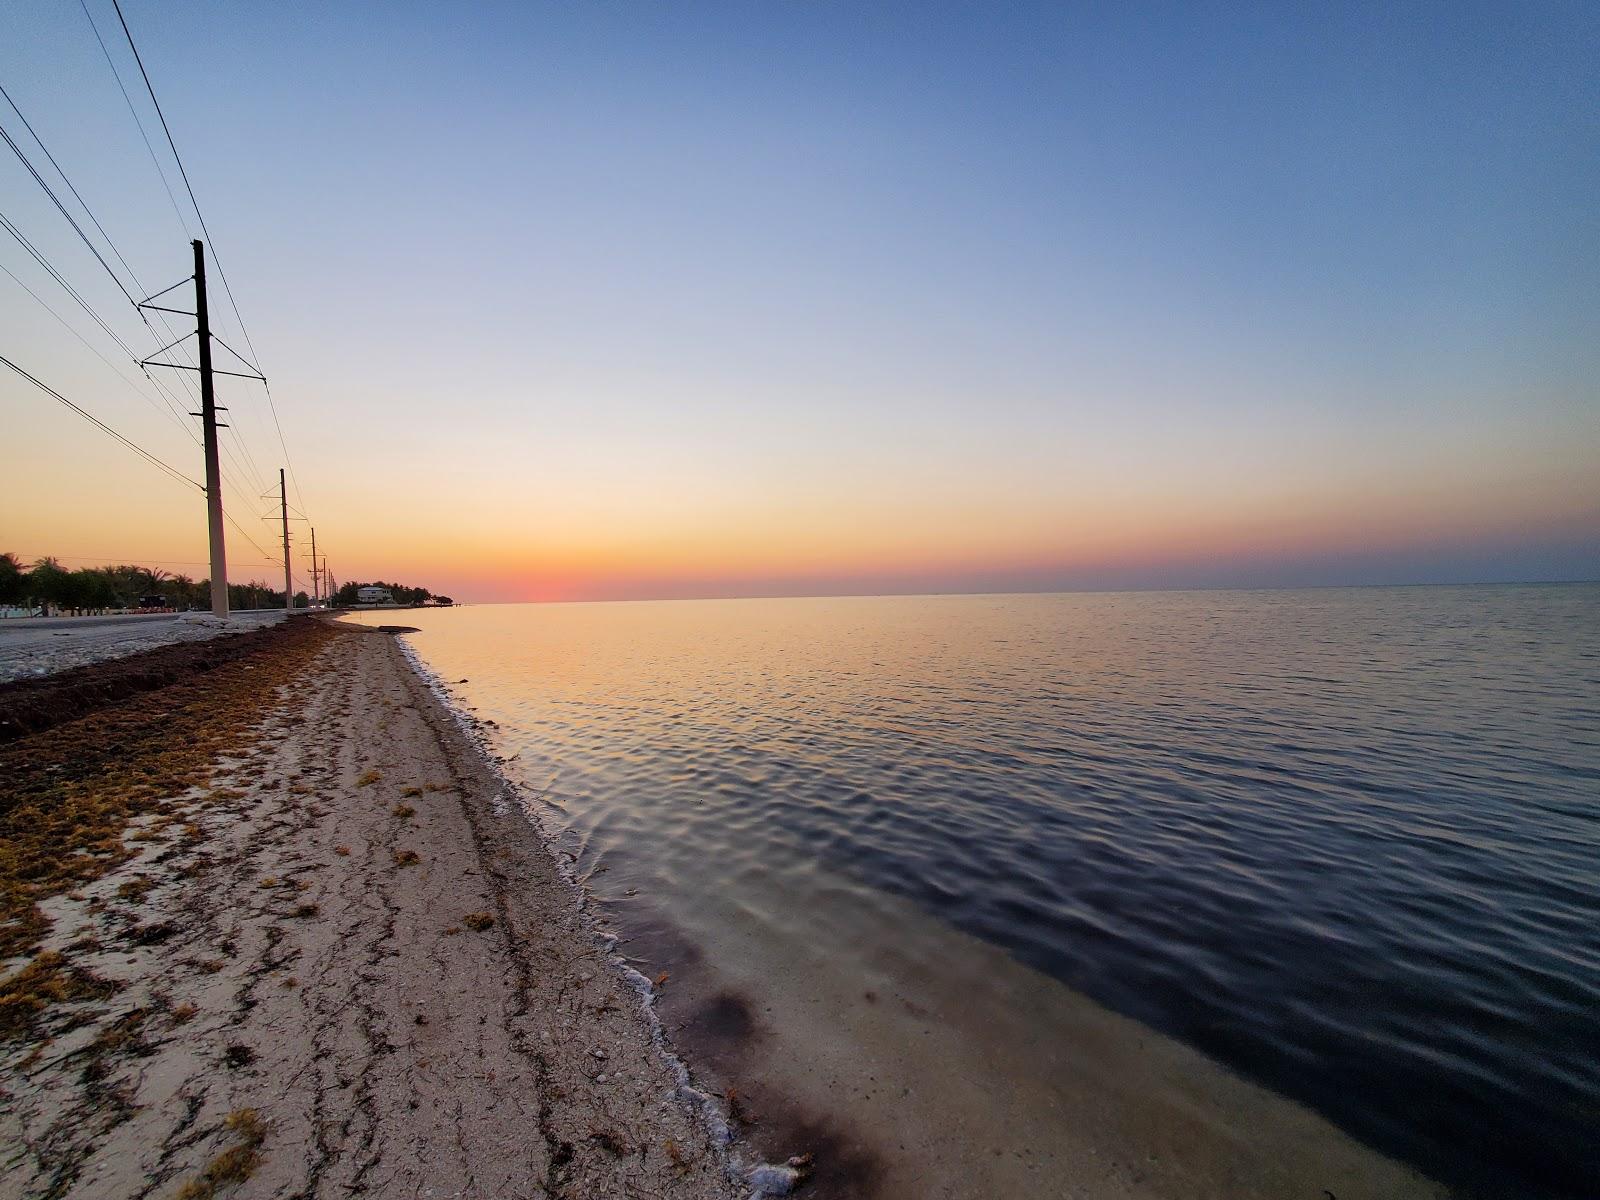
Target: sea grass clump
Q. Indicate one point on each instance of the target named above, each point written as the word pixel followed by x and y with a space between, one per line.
pixel 235 1164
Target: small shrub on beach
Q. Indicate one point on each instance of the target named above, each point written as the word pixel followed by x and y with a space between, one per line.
pixel 411 791
pixel 47 980
pixel 342 851
pixel 406 858
pixel 269 882
pixel 478 921
pixel 183 1014
pixel 368 778
pixel 235 1164
pixel 306 911
pixel 404 811
pixel 676 1156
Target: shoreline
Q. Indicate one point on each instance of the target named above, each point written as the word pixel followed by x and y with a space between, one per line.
pixel 332 960
pixel 910 1058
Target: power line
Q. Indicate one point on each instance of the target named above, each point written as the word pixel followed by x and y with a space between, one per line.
pixel 221 274
pixel 252 471
pixel 246 534
pixel 172 410
pixel 96 421
pixel 127 560
pixel 61 280
pixel 248 464
pixel 56 200
pixel 9 227
pixel 82 203
pixel 93 350
pixel 169 412
pixel 134 113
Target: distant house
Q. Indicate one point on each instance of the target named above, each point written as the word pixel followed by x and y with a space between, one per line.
pixel 374 595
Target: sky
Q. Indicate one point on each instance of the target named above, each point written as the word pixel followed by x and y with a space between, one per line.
pixel 624 300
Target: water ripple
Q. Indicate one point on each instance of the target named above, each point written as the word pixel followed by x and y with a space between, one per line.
pixel 1345 841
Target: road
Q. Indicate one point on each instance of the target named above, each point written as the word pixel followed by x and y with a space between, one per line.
pixel 34 646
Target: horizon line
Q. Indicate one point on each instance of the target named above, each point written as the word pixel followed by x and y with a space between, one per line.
pixel 1078 591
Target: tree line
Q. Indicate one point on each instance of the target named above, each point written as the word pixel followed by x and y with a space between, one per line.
pixel 47 585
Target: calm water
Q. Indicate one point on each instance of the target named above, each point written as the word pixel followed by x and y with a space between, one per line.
pixel 1345 841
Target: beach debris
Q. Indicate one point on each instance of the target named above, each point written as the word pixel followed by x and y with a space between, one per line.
pixel 235 1164
pixel 238 1055
pixel 661 979
pixel 406 858
pixel 737 1112
pixel 368 778
pixel 775 1179
pixel 411 791
pixel 477 921
pixel 342 851
pixel 47 979
pixel 306 911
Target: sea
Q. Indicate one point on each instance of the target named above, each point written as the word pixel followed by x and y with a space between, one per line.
pixel 916 875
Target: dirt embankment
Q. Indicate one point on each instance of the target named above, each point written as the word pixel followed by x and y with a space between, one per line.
pixel 273 931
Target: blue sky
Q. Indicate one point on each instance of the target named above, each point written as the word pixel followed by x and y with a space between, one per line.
pixel 667 294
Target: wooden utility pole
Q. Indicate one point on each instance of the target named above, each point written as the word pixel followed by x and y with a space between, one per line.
pixel 316 575
pixel 208 421
pixel 288 576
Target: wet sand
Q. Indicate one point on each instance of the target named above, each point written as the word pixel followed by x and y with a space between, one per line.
pixel 976 1077
pixel 341 965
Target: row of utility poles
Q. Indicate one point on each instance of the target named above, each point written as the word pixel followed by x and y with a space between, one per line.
pixel 210 425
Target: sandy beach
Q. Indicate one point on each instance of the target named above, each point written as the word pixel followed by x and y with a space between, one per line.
pixel 310 950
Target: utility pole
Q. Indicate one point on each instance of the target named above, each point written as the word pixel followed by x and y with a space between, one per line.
pixel 208 421
pixel 316 575
pixel 288 576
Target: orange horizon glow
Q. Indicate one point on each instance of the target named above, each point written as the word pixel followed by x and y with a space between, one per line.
pixel 762 543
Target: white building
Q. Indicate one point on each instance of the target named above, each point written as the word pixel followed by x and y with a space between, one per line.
pixel 374 595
